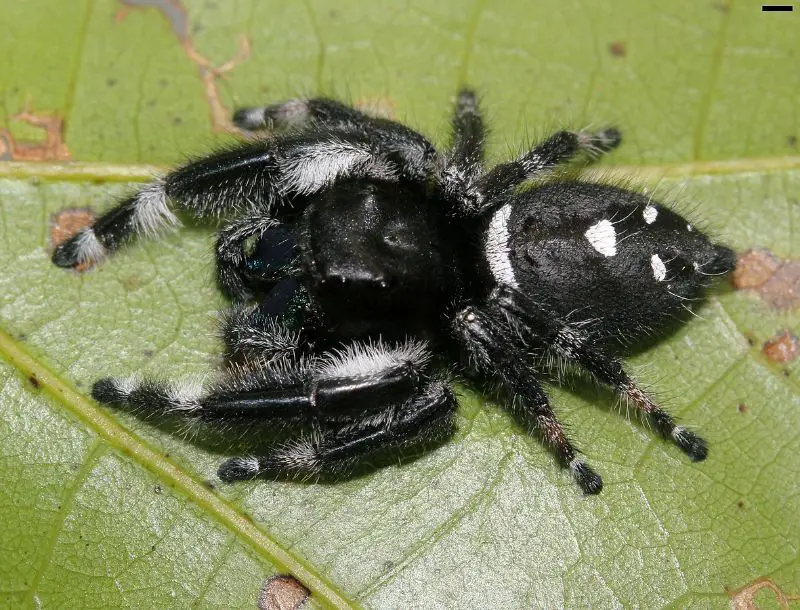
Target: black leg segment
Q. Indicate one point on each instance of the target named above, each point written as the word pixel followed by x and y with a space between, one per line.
pixel 559 148
pixel 537 327
pixel 491 350
pixel 345 382
pixel 253 177
pixel 425 417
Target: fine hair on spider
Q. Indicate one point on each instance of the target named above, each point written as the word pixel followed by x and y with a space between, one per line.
pixel 353 252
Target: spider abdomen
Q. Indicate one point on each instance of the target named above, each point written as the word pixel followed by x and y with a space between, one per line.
pixel 596 251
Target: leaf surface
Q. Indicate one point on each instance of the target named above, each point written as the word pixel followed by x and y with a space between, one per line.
pixel 102 509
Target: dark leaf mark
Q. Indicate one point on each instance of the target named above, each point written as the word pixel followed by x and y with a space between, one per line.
pixel 776 281
pixel 282 592
pixel 618 49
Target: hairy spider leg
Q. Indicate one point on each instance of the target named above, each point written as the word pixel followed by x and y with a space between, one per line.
pixel 559 148
pixel 468 137
pixel 356 378
pixel 262 176
pixel 426 417
pixel 256 333
pixel 415 154
pixel 535 325
pixel 489 345
pixel 464 163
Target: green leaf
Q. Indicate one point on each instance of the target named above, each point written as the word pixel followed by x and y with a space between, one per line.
pixel 101 509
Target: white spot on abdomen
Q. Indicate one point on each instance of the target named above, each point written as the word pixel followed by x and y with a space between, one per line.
pixel 603 238
pixel 649 214
pixel 497 253
pixel 659 268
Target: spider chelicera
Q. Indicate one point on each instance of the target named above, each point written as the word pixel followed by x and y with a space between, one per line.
pixel 354 251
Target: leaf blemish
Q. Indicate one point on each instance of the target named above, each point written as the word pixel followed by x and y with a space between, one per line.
pixel 776 280
pixel 68 222
pixel 744 598
pixel 782 349
pixel 618 49
pixel 34 381
pixel 52 148
pixel 282 592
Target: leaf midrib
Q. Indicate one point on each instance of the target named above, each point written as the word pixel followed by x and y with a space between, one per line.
pixel 116 172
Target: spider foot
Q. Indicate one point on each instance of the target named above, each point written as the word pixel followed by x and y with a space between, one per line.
pixel 589 481
pixel 694 446
pixel 599 142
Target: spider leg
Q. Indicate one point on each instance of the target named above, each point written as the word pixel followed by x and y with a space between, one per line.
pixel 535 325
pixel 425 417
pixel 464 162
pixel 555 150
pixel 491 348
pixel 338 383
pixel 258 176
pixel 414 154
pixel 468 134
pixel 255 333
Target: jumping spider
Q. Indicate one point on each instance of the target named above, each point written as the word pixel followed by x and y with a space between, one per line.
pixel 354 251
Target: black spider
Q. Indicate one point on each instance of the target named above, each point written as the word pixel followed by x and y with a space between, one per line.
pixel 366 251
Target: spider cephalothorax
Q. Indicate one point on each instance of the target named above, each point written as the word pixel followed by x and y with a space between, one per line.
pixel 354 251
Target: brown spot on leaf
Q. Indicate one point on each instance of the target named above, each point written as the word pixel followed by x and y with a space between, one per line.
pixel 176 15
pixel 740 504
pixel 776 280
pixel 744 598
pixel 742 407
pixel 782 349
pixel 34 381
pixel 382 107
pixel 52 148
pixel 68 222
pixel 618 49
pixel 282 592
pixel 792 141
